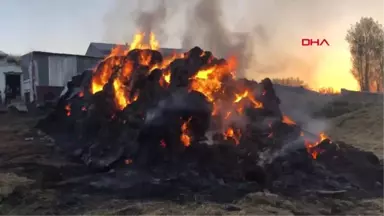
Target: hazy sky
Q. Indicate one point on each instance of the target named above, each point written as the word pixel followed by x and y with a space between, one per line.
pixel 50 25
pixel 69 26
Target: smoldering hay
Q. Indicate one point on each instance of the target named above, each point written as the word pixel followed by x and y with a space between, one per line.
pixel 140 108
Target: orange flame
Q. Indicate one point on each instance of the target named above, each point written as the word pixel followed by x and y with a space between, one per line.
pixel 230 133
pixel 184 137
pixel 311 147
pixel 208 80
pixel 107 67
pixel 138 40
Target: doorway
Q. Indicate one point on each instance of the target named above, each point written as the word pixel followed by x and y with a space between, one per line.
pixel 13 81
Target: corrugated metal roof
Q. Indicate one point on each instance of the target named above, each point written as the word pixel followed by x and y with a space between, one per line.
pixel 105 48
pixel 60 54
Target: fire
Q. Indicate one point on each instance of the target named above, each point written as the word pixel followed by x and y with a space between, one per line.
pixel 256 104
pixel 68 109
pixel 184 137
pixel 311 147
pixel 138 40
pixel 122 98
pixel 165 79
pixel 230 133
pixel 208 81
pixel 288 120
pixel 241 96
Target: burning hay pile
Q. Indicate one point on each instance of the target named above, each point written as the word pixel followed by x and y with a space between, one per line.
pixel 186 116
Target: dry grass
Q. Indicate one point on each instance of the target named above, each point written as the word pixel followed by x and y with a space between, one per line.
pixel 9 182
pixel 362 128
pixel 259 203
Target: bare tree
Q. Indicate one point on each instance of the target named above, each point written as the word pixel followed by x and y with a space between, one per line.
pixel 365 40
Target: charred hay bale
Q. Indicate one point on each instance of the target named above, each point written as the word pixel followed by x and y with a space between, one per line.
pixel 163 123
pixel 86 79
pixel 195 53
pixel 225 161
pixel 145 56
pixel 106 148
pixel 138 80
pixel 207 57
pixel 179 74
pixel 361 167
pixel 271 103
pixel 152 91
pixel 109 138
pixel 287 171
pixel 286 133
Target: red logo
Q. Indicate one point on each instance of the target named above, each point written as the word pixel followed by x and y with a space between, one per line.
pixel 312 42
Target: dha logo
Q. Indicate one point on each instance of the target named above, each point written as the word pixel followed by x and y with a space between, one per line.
pixel 311 42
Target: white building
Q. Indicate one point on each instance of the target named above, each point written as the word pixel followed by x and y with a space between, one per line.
pixel 10 74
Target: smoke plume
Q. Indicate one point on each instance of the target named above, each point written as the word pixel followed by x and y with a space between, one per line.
pixel 265 35
pixel 129 17
pixel 206 29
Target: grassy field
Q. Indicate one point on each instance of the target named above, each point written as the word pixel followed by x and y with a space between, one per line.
pixel 31 166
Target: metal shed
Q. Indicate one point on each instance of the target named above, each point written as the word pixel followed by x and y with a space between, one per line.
pixel 45 74
pixel 101 50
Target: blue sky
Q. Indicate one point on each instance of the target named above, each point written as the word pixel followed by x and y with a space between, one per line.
pixel 50 25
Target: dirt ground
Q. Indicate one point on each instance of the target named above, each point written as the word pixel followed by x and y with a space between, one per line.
pixel 31 168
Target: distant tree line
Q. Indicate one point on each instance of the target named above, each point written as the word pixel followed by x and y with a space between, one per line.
pixel 297 82
pixel 290 81
pixel 366 44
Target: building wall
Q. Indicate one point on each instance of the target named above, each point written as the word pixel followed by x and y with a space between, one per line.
pixel 60 70
pixel 35 72
pixel 53 71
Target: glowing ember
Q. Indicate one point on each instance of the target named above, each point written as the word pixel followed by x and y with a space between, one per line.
pixel 128 161
pixel 230 133
pixel 68 109
pixel 288 120
pixel 163 144
pixel 184 137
